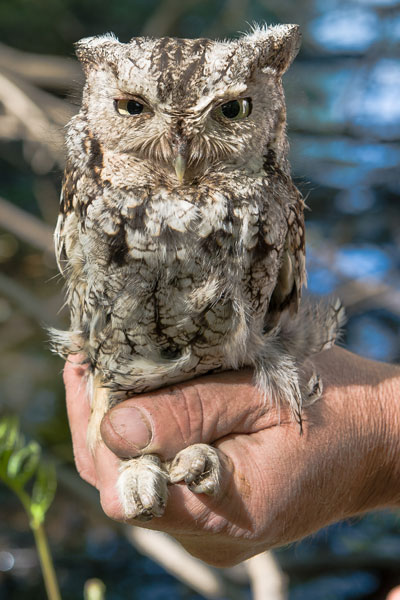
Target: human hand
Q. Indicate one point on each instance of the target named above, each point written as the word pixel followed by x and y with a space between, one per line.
pixel 277 486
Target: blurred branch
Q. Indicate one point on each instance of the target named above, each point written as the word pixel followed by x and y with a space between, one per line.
pixel 26 226
pixel 162 21
pixel 267 579
pixel 36 233
pixel 54 72
pixel 36 124
pixel 357 295
pixel 57 109
pixel 10 128
pixel 28 303
pixel 12 333
pixel 164 550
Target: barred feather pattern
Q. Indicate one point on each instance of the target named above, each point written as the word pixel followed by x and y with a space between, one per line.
pixel 169 279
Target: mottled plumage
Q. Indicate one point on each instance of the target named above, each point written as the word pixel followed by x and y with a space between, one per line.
pixel 181 233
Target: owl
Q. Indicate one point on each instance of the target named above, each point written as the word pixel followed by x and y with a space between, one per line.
pixel 181 234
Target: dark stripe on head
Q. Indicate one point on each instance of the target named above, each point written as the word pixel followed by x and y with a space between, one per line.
pixel 161 57
pixel 200 47
pixel 228 62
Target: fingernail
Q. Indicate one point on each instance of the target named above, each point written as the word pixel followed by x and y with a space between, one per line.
pixel 132 426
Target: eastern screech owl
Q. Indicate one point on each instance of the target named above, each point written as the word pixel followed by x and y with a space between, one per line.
pixel 181 233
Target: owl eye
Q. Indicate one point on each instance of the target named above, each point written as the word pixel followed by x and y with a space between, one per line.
pixel 235 109
pixel 128 107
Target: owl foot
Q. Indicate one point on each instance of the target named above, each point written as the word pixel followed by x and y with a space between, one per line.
pixel 142 487
pixel 199 466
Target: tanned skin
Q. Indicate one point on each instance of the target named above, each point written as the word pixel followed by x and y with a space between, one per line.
pixel 280 485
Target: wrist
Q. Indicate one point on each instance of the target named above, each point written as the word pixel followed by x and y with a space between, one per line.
pixel 371 429
pixel 383 485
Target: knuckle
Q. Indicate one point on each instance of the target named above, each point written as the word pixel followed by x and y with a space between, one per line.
pixel 189 413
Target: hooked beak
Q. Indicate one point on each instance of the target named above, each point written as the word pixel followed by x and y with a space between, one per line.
pixel 180 166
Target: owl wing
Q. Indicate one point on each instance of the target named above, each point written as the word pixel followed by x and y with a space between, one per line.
pixel 66 213
pixel 68 248
pixel 66 241
pixel 292 274
pixel 59 243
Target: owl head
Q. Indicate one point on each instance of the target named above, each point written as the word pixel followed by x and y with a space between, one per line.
pixel 186 107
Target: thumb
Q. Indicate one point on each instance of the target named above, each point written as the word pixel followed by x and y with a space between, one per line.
pixel 200 411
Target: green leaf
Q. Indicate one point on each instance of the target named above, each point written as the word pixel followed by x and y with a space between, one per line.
pixel 19 463
pixel 9 433
pixel 23 463
pixel 10 440
pixel 43 492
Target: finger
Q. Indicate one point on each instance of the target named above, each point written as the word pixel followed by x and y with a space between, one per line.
pixel 78 409
pixel 203 410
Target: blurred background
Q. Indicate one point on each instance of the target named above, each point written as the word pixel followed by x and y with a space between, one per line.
pixel 343 95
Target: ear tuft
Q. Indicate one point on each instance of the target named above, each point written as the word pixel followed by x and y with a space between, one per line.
pixel 278 45
pixel 90 50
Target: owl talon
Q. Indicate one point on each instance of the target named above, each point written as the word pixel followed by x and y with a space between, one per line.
pixel 199 466
pixel 142 486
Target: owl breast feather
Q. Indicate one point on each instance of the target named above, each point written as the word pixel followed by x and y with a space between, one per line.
pixel 171 284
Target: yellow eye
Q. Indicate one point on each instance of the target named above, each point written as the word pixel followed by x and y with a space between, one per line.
pixel 235 109
pixel 128 107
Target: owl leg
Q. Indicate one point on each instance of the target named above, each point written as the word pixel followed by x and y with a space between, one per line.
pixel 314 329
pixel 142 482
pixel 199 466
pixel 282 369
pixel 281 379
pixel 277 377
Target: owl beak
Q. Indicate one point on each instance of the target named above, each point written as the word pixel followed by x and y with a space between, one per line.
pixel 180 167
